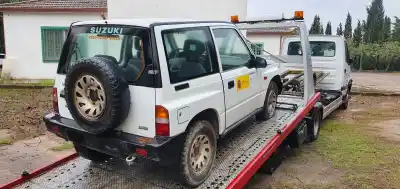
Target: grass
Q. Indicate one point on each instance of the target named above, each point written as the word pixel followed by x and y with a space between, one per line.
pixel 368 161
pixel 22 82
pixel 62 147
pixel 7 141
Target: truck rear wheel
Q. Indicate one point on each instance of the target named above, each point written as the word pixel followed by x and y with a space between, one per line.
pixel 198 154
pixel 314 125
pixel 270 102
pixel 90 154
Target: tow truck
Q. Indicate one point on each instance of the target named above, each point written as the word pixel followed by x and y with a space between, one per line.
pixel 240 154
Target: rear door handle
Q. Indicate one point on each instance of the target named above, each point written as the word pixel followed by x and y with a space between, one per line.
pixel 231 84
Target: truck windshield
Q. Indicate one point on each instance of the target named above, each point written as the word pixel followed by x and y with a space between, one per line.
pixel 123 45
pixel 318 48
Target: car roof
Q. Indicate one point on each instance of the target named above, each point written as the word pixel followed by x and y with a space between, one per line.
pixel 143 22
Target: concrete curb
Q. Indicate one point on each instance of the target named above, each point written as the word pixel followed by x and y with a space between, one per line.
pixel 23 86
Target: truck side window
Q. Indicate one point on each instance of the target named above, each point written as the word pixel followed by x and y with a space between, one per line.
pixel 232 49
pixel 188 52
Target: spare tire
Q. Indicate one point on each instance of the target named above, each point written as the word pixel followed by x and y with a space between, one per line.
pixel 97 95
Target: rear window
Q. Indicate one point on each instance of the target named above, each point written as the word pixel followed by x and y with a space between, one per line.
pixel 318 48
pixel 127 46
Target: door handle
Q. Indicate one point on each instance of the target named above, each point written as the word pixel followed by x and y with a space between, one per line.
pixel 345 70
pixel 231 84
pixel 182 86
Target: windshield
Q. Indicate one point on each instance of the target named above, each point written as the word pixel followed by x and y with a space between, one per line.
pixel 318 48
pixel 123 45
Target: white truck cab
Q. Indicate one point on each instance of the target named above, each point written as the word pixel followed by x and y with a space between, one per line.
pixel 160 89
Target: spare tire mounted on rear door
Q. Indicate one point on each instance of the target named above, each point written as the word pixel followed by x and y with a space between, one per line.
pixel 97 94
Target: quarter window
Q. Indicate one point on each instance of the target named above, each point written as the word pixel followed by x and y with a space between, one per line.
pixel 232 49
pixel 188 53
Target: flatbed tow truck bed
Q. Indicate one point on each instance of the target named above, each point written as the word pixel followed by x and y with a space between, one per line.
pixel 240 154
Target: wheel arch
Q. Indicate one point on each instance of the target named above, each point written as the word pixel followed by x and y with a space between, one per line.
pixel 277 79
pixel 210 115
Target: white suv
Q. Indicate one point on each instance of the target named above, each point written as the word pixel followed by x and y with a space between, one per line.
pixel 160 90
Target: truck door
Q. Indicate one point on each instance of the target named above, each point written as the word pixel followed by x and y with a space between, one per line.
pixel 238 79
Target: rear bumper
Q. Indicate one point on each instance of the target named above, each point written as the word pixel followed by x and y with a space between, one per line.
pixel 115 143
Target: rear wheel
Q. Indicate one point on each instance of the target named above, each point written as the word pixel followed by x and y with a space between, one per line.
pixel 314 125
pixel 90 154
pixel 198 155
pixel 270 102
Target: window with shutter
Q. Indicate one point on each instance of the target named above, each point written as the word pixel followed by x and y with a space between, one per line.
pixel 52 42
pixel 257 48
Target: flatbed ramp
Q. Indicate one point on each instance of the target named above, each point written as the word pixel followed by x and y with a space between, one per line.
pixel 239 156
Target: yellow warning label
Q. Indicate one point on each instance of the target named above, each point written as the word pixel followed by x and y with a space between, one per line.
pixel 242 82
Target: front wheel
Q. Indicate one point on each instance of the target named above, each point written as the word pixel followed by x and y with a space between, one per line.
pixel 198 154
pixel 270 102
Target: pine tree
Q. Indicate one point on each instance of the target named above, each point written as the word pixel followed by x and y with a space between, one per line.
pixel 357 36
pixel 387 32
pixel 396 29
pixel 347 27
pixel 328 29
pixel 339 30
pixel 321 28
pixel 315 26
pixel 375 22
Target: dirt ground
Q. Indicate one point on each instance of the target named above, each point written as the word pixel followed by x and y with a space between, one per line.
pixel 357 148
pixel 379 81
pixel 21 112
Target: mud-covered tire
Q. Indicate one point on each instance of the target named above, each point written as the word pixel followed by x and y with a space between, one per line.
pixel 109 77
pixel 90 154
pixel 270 97
pixel 314 125
pixel 188 175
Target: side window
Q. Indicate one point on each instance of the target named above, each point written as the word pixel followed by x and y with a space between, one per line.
pixel 232 49
pixel 189 54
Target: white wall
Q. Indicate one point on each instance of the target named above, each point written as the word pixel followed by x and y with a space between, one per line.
pixel 23 41
pixel 271 42
pixel 199 10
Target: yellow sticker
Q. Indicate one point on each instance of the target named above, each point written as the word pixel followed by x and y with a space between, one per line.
pixel 242 82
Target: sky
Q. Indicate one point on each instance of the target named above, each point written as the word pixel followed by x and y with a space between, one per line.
pixel 328 10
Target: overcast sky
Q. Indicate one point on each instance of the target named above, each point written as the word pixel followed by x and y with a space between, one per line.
pixel 329 10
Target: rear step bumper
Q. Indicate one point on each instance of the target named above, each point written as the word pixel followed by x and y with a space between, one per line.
pixel 115 143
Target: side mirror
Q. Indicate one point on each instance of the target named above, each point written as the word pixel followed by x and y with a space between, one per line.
pixel 258 62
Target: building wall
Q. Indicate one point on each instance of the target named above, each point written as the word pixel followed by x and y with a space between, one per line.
pixel 271 42
pixel 198 10
pixel 24 44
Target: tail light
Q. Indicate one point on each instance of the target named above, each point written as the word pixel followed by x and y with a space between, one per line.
pixel 162 121
pixel 55 100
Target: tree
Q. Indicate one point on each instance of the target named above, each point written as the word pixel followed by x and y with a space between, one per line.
pixel 357 36
pixel 347 27
pixel 315 26
pixel 387 30
pixel 339 30
pixel 328 29
pixel 396 29
pixel 321 28
pixel 375 22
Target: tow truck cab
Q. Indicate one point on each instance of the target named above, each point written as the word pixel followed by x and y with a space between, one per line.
pixel 330 56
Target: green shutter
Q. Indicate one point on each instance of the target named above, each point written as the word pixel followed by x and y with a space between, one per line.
pixel 52 42
pixel 258 48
